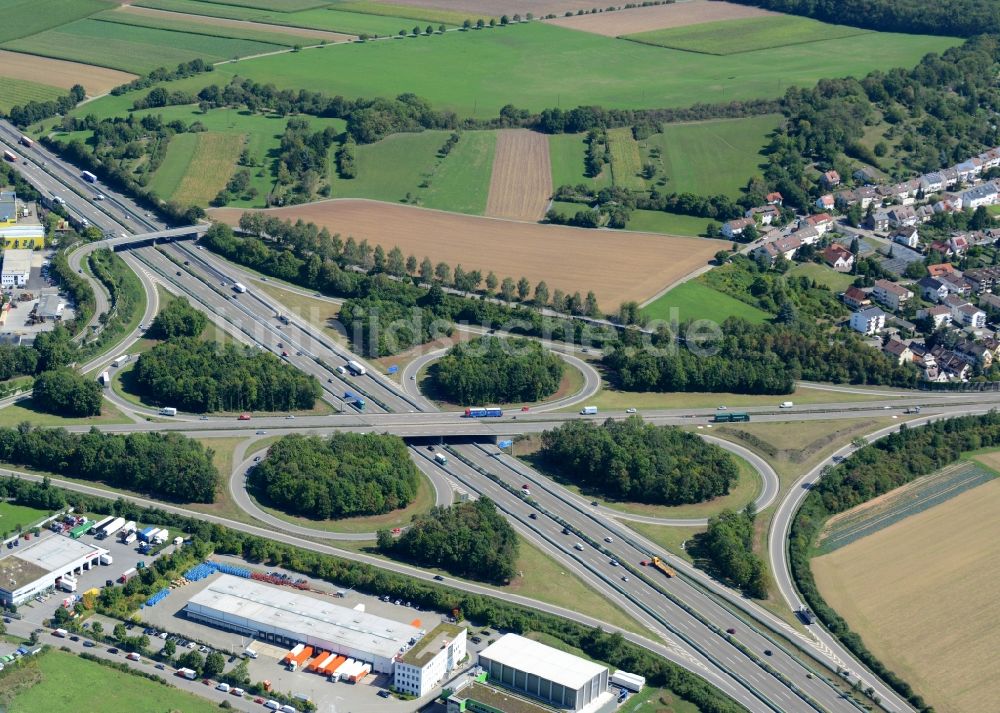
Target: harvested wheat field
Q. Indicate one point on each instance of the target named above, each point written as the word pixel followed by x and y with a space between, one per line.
pixel 207 21
pixel 212 165
pixel 521 183
pixel 922 595
pixel 476 8
pixel 658 17
pixel 617 266
pixel 59 73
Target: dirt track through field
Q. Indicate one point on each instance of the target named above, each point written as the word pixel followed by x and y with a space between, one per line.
pixel 658 17
pixel 921 593
pixel 59 73
pixel 521 183
pixel 234 24
pixel 617 266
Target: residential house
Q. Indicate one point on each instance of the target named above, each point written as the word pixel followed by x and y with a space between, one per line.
pixel 825 202
pixel 765 215
pixel 865 175
pixel 830 179
pixel 891 294
pixel 902 216
pixel 989 301
pixel 774 198
pixel 933 289
pixel 959 244
pixel 939 315
pixel 956 284
pixel 898 350
pixel 924 213
pixel 821 221
pixel 870 320
pixel 949 203
pixel 974 353
pixel 926 361
pixel 734 228
pixel 931 182
pixel 969 316
pixel 967 170
pixel 982 195
pixel 941 246
pixel 907 236
pixel 952 365
pixel 866 195
pixel 807 235
pixel 878 221
pixel 982 279
pixel 839 258
pixel 941 268
pixel 949 177
pixel 785 246
pixel 856 298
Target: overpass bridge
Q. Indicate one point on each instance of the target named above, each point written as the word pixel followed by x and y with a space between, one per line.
pixel 142 240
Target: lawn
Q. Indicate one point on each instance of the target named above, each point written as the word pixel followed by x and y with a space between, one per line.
pixel 566 152
pixel 180 154
pixel 412 12
pixel 14 516
pixel 133 49
pixel 14 92
pixel 213 163
pixel 654 221
pixel 727 37
pixel 657 700
pixel 545 66
pixel 11 416
pixel 695 300
pixel 196 27
pixel 670 538
pixel 408 164
pixel 921 594
pixel 711 157
pixel 29 17
pixel 626 160
pixel 62 681
pixel 823 275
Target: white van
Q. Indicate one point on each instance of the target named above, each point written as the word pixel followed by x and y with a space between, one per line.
pixel 441 458
pixel 272 704
pixel 578 546
pixel 785 404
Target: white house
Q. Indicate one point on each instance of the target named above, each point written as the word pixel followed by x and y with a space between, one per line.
pixel 868 321
pixel 891 294
pixel 969 316
pixel 907 236
pixel 734 228
pixel 981 195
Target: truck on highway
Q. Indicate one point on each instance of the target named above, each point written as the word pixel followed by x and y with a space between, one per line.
pixel 355 400
pixel 25 141
pixel 588 411
pixel 356 368
pixel 168 411
pixel 482 412
pixel 912 409
pixel 239 287
pixel 187 673
pixel 283 318
pixel 806 615
pixel 88 177
pixel 10 156
pixel 662 566
pixel 121 360
pixel 730 417
pixel 105 378
pixel 441 458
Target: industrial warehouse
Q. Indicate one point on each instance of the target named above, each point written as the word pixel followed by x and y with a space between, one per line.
pixel 35 566
pixel 287 618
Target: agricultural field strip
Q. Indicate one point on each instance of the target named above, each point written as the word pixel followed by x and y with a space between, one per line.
pixel 730 37
pixel 625 22
pixel 521 181
pixel 23 18
pixel 922 495
pixel 626 161
pixel 60 73
pixel 14 92
pixel 212 165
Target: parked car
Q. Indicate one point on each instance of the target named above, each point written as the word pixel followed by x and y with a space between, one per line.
pixel 383 693
pixel 438 578
pixel 630 410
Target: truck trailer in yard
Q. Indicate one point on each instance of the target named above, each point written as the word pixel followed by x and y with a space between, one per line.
pixel 111 528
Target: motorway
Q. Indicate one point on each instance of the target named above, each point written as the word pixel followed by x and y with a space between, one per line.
pixel 688 614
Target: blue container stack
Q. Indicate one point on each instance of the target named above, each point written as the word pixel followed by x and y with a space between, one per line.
pixel 231 569
pixel 199 572
pixel 157 598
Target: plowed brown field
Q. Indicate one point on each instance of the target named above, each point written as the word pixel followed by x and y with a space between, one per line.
pixel 59 73
pixel 658 17
pixel 521 183
pixel 617 266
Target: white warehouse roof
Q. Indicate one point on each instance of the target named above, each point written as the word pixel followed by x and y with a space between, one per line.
pixel 544 661
pixel 282 608
pixel 51 553
pixel 17 262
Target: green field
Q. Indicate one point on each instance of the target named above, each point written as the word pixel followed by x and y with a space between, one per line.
pixel 694 300
pixel 545 66
pixel 14 516
pixel 823 275
pixel 400 164
pixel 626 159
pixel 60 681
pixel 711 157
pixel 727 37
pixel 194 27
pixel 566 153
pixel 14 92
pixel 411 12
pixel 133 49
pixel 654 221
pixel 180 153
pixel 29 17
pixel 277 5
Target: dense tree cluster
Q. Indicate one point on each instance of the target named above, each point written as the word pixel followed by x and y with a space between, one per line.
pixel 636 461
pixel 728 546
pixel 165 465
pixel 302 162
pixel 201 376
pixel 64 392
pixel 17 361
pixel 162 74
pixel 178 319
pixel 345 475
pixel 755 359
pixel 469 539
pixel 346 165
pixel 962 18
pixel 501 371
pixel 33 111
pixel 869 472
pixel 939 113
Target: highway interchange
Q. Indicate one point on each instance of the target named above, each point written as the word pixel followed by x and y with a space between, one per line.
pixel 686 617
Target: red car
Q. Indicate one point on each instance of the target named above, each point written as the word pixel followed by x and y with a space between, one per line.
pixel 284 354
pixel 258 699
pixel 244 417
pixel 525 408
